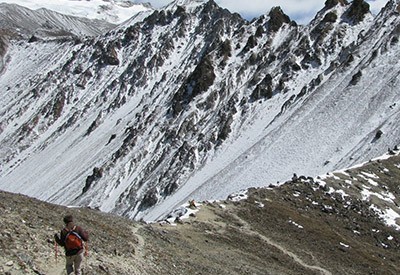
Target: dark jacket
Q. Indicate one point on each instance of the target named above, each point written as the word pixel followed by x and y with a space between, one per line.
pixel 61 239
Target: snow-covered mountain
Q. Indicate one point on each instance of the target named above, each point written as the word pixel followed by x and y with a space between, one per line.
pixel 192 101
pixel 44 23
pixel 113 11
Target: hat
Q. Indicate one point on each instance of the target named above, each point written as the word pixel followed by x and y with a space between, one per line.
pixel 68 219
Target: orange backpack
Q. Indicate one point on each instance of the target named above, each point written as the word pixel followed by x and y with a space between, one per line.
pixel 73 241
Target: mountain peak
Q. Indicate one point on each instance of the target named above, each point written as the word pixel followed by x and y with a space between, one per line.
pixel 357 11
pixel 277 18
pixel 392 5
pixel 332 3
pixel 187 3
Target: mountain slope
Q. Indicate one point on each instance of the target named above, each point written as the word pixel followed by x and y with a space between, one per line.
pixel 19 23
pixel 305 226
pixel 44 22
pixel 332 122
pixel 195 102
pixel 112 11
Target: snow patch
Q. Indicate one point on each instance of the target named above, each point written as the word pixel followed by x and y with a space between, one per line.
pixel 239 196
pixel 296 224
pixel 388 215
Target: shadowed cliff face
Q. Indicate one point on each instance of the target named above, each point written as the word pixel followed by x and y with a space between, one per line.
pixel 326 225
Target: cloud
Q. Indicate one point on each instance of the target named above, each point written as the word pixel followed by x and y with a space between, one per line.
pixel 377 5
pixel 302 11
pixel 154 3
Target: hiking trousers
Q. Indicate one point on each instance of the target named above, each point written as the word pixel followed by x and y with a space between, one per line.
pixel 73 263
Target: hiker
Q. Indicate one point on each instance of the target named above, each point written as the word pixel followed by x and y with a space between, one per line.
pixel 72 238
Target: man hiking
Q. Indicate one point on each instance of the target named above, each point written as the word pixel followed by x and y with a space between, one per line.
pixel 72 238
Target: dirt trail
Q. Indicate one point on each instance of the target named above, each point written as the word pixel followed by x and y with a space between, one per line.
pixel 57 268
pixel 140 246
pixel 247 228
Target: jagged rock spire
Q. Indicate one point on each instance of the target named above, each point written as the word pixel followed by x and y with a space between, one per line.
pixel 358 10
pixel 187 3
pixel 393 5
pixel 331 3
pixel 277 18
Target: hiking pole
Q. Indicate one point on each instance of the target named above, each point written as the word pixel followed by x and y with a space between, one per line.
pixel 86 255
pixel 86 249
pixel 56 251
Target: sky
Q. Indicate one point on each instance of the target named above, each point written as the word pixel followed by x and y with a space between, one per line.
pixel 302 11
